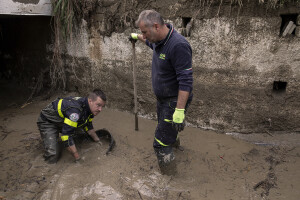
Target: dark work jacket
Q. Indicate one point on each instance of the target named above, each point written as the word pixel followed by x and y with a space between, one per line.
pixel 76 113
pixel 171 65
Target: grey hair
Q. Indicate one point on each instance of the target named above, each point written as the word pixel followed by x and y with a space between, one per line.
pixel 149 17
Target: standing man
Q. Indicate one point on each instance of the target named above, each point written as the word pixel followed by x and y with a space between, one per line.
pixel 172 82
pixel 65 116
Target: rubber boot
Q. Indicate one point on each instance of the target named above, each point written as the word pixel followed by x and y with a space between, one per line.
pixel 176 145
pixel 52 159
pixel 166 160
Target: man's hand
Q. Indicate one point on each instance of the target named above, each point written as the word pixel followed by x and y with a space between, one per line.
pixel 76 155
pixel 178 119
pixel 72 149
pixel 99 142
pixel 133 37
pixel 93 134
pixel 79 160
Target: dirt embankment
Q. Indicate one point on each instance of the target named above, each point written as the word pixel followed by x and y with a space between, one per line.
pixel 212 166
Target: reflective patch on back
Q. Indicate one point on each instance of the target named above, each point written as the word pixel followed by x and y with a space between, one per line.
pixel 74 117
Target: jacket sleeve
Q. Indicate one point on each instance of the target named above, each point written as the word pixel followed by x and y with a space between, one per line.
pixel 149 44
pixel 182 62
pixel 89 125
pixel 69 126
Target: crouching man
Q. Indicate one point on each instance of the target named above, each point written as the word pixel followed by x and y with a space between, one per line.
pixel 65 115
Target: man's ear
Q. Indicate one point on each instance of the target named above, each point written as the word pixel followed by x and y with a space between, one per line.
pixel 156 26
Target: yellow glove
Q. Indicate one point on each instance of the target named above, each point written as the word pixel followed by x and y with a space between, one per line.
pixel 178 119
pixel 133 37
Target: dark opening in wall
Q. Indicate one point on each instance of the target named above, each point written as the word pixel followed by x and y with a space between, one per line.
pixel 285 21
pixel 23 46
pixel 186 26
pixel 185 21
pixel 23 54
pixel 279 86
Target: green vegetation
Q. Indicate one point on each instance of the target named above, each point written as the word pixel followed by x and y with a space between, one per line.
pixel 67 14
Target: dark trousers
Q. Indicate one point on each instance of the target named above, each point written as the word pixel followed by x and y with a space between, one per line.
pixel 49 134
pixel 165 134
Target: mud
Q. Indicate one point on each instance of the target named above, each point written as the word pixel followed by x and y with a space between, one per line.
pixel 212 165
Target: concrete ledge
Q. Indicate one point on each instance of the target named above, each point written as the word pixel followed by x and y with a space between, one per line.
pixel 9 7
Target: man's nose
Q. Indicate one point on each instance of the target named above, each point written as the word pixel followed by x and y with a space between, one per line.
pixel 100 108
pixel 144 36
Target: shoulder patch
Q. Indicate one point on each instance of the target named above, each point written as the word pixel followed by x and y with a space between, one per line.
pixel 76 98
pixel 74 117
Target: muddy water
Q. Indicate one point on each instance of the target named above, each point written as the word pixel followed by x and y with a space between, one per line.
pixel 212 165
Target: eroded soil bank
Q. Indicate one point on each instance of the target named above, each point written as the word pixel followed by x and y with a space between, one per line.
pixel 212 166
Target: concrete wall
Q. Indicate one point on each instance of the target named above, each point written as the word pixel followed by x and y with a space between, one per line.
pixel 237 55
pixel 236 65
pixel 25 7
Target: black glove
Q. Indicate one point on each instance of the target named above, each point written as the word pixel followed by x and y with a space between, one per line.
pixel 178 127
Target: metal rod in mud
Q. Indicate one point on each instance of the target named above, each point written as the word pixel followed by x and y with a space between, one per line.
pixel 134 87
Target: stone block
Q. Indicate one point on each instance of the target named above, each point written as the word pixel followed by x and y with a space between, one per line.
pixel 287 27
pixel 297 31
pixel 292 29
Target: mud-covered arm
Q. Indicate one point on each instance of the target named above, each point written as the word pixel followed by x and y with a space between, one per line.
pixel 93 134
pixel 73 150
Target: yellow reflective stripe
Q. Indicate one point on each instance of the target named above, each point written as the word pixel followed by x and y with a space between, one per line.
pixel 87 120
pixel 59 109
pixel 64 137
pixel 168 120
pixel 86 128
pixel 70 123
pixel 160 142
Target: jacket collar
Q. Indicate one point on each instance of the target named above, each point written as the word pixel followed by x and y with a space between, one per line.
pixel 164 41
pixel 86 104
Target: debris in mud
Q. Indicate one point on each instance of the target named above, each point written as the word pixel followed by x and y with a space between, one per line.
pixel 103 133
pixel 270 181
pixel 5 133
pixel 272 160
pixel 253 152
pixel 267 184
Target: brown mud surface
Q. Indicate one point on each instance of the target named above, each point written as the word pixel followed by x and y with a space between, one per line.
pixel 212 165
